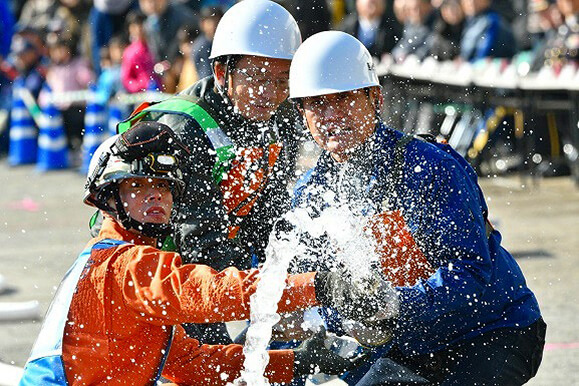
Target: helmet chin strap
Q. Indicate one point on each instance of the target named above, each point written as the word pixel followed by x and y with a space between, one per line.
pixel 145 228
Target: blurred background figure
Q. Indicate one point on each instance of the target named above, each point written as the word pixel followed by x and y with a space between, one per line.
pixel 164 19
pixel 486 33
pixel 373 26
pixel 545 18
pixel 183 72
pixel 208 19
pixel 444 43
pixel 106 19
pixel 419 16
pixel 109 81
pixel 399 9
pixel 137 66
pixel 69 71
pixel 68 16
pixel 312 16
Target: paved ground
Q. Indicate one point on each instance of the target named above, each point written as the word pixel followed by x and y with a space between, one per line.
pixel 43 227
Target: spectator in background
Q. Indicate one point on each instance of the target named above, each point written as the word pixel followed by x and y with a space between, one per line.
pixel 68 72
pixel 444 43
pixel 106 19
pixel 44 15
pixel 372 27
pixel 25 56
pixel 564 49
pixel 399 7
pixel 312 16
pixel 183 72
pixel 109 81
pixel 23 64
pixel 208 19
pixel 486 33
pixel 137 67
pixel 547 19
pixel 420 17
pixel 164 19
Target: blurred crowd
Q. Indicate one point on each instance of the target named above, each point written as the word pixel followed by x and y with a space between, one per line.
pixel 136 45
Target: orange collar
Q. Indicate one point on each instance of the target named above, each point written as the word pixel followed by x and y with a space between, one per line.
pixel 112 229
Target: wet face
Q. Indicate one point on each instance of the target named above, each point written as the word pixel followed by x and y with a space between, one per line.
pixel 341 122
pixel 257 85
pixel 147 200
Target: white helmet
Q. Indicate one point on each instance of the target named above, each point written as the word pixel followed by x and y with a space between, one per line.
pixel 330 62
pixel 258 28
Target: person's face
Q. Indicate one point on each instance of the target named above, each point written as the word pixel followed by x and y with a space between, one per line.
pixel 25 60
pixel 370 9
pixel 417 10
pixel 147 200
pixel 153 7
pixel 256 86
pixel 341 122
pixel 473 7
pixel 136 31
pixel 400 10
pixel 116 53
pixel 60 54
pixel 568 7
pixel 452 13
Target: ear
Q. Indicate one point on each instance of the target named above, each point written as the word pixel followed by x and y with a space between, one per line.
pixel 377 99
pixel 219 73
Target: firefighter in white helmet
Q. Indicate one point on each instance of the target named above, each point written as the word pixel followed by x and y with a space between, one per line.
pixel 243 139
pixel 463 314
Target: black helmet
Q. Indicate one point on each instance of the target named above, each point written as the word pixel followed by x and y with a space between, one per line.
pixel 148 149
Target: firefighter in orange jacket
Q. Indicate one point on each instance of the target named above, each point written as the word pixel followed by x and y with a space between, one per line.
pixel 116 316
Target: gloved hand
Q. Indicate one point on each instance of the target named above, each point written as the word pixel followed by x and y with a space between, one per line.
pixel 312 357
pixel 373 298
pixel 371 334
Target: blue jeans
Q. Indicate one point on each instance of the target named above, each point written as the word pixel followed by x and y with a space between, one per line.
pixel 503 357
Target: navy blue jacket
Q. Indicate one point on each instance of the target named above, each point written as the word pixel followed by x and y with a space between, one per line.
pixel 477 285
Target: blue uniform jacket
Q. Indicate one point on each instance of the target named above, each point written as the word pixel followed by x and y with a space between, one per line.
pixel 477 285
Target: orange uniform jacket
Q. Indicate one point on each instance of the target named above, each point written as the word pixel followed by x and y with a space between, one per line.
pixel 126 303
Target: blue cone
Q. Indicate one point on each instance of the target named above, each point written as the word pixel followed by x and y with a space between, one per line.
pixel 23 132
pixel 95 122
pixel 52 143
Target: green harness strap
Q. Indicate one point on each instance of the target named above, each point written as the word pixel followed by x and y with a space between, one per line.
pixel 192 107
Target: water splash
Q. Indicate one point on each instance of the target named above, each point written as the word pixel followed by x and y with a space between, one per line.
pixel 352 248
pixel 263 305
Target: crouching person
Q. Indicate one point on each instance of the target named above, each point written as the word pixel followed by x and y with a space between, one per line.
pixel 116 316
pixel 463 314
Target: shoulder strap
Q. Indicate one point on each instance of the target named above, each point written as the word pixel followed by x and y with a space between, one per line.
pixel 195 108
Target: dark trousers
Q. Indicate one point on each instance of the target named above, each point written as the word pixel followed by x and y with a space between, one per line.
pixel 503 357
